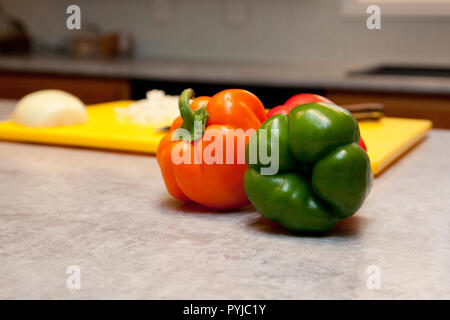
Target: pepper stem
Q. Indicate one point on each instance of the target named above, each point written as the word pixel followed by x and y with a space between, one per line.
pixel 194 121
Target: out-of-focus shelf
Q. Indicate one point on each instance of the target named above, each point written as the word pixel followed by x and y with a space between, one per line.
pixel 307 74
pixel 97 81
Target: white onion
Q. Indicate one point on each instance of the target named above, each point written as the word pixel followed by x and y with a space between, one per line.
pixel 158 110
pixel 49 108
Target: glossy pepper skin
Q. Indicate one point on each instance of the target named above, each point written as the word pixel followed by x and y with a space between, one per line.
pixel 299 99
pixel 215 185
pixel 323 176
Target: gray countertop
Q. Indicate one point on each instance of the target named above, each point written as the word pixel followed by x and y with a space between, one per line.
pixel 318 75
pixel 109 214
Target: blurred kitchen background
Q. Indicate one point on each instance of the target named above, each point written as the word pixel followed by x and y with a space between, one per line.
pixel 272 48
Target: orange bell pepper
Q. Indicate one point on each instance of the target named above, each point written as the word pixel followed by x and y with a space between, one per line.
pixel 214 185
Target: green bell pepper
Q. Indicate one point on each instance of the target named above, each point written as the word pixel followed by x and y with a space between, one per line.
pixel 323 174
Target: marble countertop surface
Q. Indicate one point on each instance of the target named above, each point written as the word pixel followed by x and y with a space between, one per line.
pixel 109 214
pixel 319 75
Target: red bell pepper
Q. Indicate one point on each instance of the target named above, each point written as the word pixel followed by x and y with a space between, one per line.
pixel 296 100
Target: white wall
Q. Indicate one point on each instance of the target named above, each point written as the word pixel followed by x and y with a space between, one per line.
pixel 284 30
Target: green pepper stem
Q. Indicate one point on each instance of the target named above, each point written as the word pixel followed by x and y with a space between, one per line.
pixel 194 121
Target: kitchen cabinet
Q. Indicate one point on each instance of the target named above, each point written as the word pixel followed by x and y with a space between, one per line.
pixel 406 105
pixel 89 89
pixel 96 89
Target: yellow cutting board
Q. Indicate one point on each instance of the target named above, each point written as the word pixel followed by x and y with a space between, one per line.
pixel 386 139
pixel 102 131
